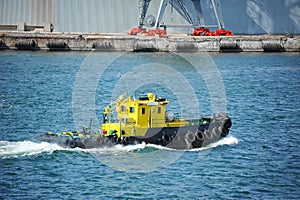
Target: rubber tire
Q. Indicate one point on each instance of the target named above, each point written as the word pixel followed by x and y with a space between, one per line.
pixel 208 135
pixel 227 123
pixel 199 136
pixel 126 140
pixel 166 138
pixel 216 132
pixel 71 143
pixel 190 137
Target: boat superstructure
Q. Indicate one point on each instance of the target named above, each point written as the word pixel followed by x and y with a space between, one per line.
pixel 136 117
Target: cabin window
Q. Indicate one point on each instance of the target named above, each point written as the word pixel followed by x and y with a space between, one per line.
pixel 131 109
pixel 159 110
pixel 123 108
pixel 143 111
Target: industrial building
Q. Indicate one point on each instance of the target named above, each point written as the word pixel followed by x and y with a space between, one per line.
pixel 119 16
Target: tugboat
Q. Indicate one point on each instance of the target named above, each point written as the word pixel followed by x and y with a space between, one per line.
pixel 146 120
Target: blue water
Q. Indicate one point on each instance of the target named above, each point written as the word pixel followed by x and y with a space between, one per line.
pixel 260 159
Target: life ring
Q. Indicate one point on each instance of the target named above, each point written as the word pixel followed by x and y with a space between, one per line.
pixel 190 136
pixel 199 135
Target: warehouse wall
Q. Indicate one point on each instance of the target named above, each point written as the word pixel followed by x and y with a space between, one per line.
pixel 32 12
pixel 102 15
pixel 94 15
pixel 262 16
pixel 240 16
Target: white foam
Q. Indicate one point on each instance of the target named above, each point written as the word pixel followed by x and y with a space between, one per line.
pixel 141 146
pixel 25 148
pixel 114 149
pixel 228 140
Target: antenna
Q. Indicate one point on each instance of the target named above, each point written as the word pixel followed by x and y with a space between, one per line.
pixel 120 77
pixel 90 128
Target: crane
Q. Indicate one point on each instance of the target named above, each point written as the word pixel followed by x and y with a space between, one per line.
pixel 190 10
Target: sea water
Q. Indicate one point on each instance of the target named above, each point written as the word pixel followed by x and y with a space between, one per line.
pixel 63 91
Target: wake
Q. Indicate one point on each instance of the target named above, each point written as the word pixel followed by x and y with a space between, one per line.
pixel 29 148
pixel 228 140
pixel 25 148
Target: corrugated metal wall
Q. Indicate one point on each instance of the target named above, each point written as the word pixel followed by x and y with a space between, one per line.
pixel 94 15
pixel 32 12
pixel 262 16
pixel 102 15
pixel 240 16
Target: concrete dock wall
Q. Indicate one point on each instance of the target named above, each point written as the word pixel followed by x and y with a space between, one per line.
pixel 124 42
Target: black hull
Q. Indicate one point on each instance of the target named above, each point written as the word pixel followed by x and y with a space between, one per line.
pixel 186 137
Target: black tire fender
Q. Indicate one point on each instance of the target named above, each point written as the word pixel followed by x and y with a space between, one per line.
pixel 208 135
pixel 190 136
pixel 199 135
pixel 227 123
pixel 126 140
pixel 70 142
pixel 225 132
pixel 166 138
pixel 215 131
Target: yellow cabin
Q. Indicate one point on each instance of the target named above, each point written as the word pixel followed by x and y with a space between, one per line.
pixel 135 117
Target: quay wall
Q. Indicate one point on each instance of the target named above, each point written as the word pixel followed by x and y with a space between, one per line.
pixel 171 43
